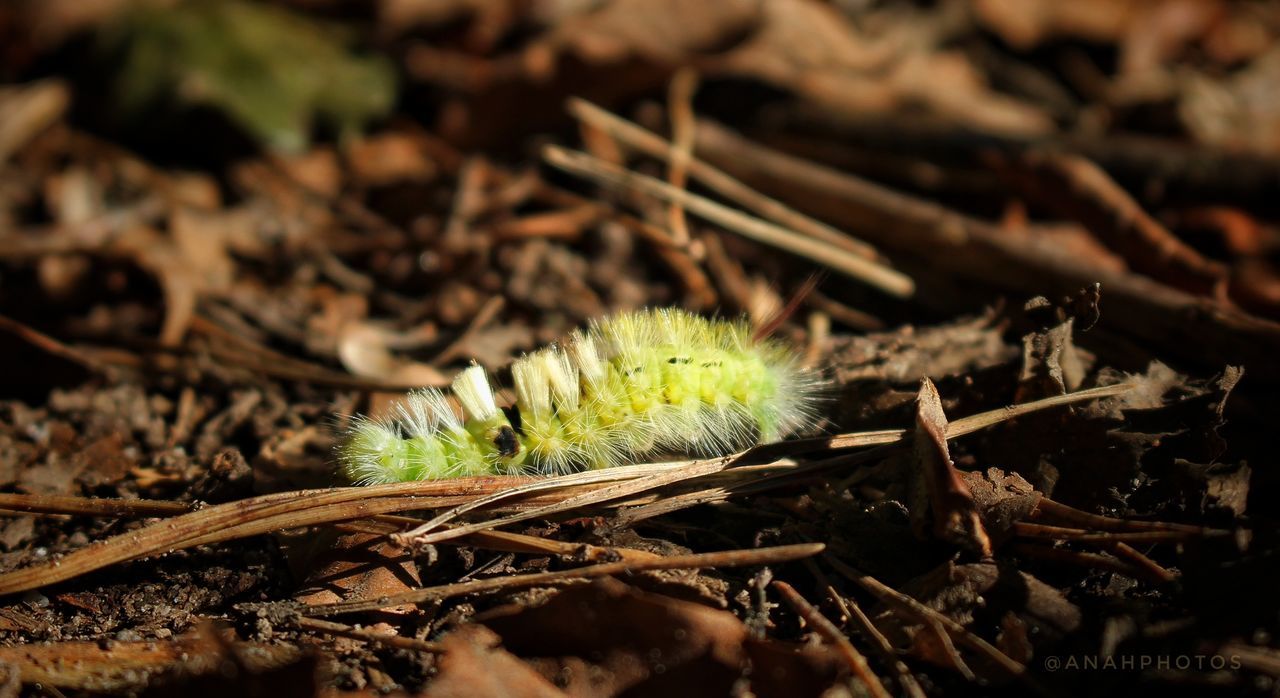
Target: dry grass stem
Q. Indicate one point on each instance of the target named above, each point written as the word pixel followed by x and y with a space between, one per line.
pixel 854 266
pixel 717 180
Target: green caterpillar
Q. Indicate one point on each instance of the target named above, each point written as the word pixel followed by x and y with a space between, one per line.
pixel 632 385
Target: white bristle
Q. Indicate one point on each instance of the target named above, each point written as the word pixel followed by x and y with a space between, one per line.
pixel 424 412
pixel 474 392
pixel 582 349
pixel 562 377
pixel 533 392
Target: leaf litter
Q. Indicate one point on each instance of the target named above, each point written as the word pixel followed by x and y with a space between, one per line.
pixel 1027 464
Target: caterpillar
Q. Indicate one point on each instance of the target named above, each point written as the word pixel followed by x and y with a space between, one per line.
pixel 631 385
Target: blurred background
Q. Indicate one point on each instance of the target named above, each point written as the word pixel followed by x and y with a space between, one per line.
pixel 222 223
pixel 355 180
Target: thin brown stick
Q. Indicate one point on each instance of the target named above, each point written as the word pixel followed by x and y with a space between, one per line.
pixel 561 224
pixel 854 266
pixel 728 558
pixel 385 639
pixel 423 535
pixel 851 610
pixel 972 423
pixel 385 524
pixel 258 358
pixel 90 506
pixel 1025 529
pixel 1074 187
pixel 504 541
pixel 1047 508
pixel 240 519
pixel 718 180
pixel 842 313
pixel 689 469
pixel 1153 569
pixel 1078 558
pixel 957 632
pixel 747 483
pixel 49 345
pixel 850 654
pixel 683 130
pixel 692 279
pixel 295 370
pixel 728 273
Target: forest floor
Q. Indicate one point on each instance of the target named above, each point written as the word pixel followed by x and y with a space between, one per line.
pixel 1031 247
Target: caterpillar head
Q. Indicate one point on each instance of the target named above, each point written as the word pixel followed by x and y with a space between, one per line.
pixel 374 452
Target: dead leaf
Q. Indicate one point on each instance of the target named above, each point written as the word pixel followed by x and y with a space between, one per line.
pixel 26 110
pixel 1026 23
pixel 1051 364
pixel 950 505
pixel 364 350
pixel 473 664
pixel 814 50
pixel 360 566
pixel 606 638
pixel 1002 499
pixel 389 158
pixel 16 531
pixel 102 461
pixel 1239 112
pixel 1206 487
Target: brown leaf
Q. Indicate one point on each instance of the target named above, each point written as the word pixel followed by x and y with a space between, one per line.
pixel 26 110
pixel 102 461
pixel 1026 23
pixel 664 31
pixel 1051 363
pixel 814 50
pixel 1003 499
pixel 954 514
pixel 473 664
pixel 607 638
pixel 1239 112
pixel 387 159
pixel 360 566
pixel 364 350
pixel 1214 486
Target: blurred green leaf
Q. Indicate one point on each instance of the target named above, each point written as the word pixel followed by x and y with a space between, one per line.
pixel 273 72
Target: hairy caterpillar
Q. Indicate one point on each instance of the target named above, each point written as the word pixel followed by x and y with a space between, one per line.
pixel 631 385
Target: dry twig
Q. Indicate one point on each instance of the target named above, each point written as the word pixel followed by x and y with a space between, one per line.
pixel 728 558
pixel 854 266
pixel 850 654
